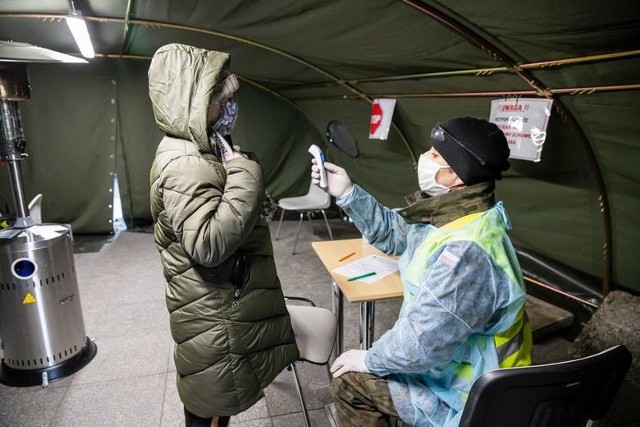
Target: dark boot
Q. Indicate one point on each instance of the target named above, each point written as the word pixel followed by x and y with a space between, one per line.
pixel 192 420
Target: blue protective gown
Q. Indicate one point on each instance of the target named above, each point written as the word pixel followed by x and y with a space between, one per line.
pixel 462 284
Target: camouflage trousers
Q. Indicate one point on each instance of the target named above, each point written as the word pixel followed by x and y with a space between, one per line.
pixel 363 400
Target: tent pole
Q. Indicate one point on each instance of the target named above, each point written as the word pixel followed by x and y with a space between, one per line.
pixel 160 24
pixel 499 55
pixel 478 71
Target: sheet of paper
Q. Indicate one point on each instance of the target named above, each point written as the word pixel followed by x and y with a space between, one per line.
pixel 382 266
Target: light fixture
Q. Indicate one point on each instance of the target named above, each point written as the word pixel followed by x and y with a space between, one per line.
pixel 78 28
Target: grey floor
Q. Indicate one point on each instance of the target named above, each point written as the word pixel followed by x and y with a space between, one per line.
pixel 130 382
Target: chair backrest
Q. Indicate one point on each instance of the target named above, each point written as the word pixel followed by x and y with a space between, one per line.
pixel 563 394
pixel 321 199
pixel 315 331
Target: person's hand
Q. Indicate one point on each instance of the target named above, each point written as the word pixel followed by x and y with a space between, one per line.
pixel 236 153
pixel 229 153
pixel 349 361
pixel 338 181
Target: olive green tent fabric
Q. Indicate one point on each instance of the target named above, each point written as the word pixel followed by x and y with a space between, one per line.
pixel 302 64
pixel 610 122
pixel 70 128
pixel 87 125
pixel 279 134
pixel 137 139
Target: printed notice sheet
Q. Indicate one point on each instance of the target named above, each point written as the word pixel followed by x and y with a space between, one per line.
pixel 381 266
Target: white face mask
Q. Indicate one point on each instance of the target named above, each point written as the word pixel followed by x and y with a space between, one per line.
pixel 427 171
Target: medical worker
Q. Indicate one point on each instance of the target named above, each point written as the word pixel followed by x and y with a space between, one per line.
pixel 463 310
pixel 227 312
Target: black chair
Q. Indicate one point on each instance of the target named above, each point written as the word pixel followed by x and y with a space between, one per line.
pixel 571 393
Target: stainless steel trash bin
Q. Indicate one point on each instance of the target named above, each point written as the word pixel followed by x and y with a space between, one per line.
pixel 41 324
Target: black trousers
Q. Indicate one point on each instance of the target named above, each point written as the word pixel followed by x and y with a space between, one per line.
pixel 192 420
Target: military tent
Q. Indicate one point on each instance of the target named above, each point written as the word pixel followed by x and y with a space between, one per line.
pixel 303 64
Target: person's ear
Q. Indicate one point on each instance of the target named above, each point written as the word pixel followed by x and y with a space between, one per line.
pixel 456 183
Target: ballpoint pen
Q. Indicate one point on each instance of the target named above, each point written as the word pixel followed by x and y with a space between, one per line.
pixel 346 256
pixel 362 276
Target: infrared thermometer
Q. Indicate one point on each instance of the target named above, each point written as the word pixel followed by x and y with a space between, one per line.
pixel 317 154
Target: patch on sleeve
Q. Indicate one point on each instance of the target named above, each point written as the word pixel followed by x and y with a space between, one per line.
pixel 448 258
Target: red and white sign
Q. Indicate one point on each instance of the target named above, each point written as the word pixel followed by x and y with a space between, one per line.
pixel 381 114
pixel 524 123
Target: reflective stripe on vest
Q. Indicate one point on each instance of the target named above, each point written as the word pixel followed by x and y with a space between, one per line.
pixel 515 344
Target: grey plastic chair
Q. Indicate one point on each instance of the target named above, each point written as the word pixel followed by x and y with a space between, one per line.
pixel 315 200
pixel 315 331
pixel 573 393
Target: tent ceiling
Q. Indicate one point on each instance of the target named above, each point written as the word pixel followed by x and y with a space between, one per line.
pixel 318 50
pixel 280 45
pixel 324 56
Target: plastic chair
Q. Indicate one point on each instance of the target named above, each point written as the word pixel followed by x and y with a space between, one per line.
pixel 316 199
pixel 315 331
pixel 571 393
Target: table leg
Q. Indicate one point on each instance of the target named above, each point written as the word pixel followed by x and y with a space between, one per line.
pixel 338 310
pixel 367 323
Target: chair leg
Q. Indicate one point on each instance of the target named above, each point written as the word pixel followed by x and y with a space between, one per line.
pixel 293 252
pixel 309 215
pixel 279 224
pixel 299 388
pixel 327 223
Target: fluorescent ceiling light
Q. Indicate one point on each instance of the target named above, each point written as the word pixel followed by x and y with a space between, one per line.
pixel 11 51
pixel 80 33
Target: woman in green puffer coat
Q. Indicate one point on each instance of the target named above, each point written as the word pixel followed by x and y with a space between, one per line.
pixel 227 312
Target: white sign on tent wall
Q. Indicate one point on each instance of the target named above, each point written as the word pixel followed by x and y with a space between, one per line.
pixel 381 114
pixel 524 123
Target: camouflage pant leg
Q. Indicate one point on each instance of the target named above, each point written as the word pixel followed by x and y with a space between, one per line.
pixel 362 400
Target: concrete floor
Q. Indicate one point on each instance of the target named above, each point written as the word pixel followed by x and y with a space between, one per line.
pixel 130 382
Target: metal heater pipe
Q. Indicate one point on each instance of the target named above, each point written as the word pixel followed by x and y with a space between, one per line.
pixel 12 144
pixel 22 210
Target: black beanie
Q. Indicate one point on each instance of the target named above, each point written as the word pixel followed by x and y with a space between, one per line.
pixel 482 138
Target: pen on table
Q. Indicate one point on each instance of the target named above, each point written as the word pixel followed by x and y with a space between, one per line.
pixel 362 276
pixel 346 256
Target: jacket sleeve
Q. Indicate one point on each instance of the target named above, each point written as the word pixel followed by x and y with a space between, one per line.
pixel 456 298
pixel 381 226
pixel 210 215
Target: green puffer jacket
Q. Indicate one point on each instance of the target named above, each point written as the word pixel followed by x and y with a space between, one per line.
pixel 228 317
